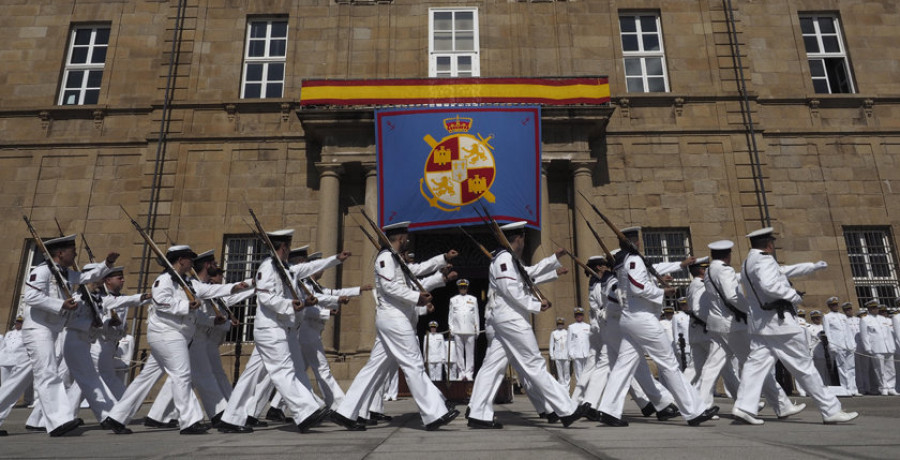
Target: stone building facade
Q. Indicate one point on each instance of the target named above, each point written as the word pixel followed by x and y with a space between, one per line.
pixel 739 135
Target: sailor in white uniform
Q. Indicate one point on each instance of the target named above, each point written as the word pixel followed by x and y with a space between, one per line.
pixel 434 351
pixel 464 318
pixel 559 352
pixel 841 344
pixel 578 343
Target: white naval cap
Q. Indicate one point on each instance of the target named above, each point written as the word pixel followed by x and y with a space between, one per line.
pixel 205 255
pixel 301 251
pixel 631 230
pixel 91 266
pixel 614 251
pixel 593 260
pixel 846 306
pixel 579 311
pixel 68 240
pixel 721 245
pixel 433 324
pixel 178 251
pixel 832 301
pixel 514 226
pixel 114 271
pixel 871 304
pixel 767 232
pixel 703 261
pixel 395 228
pixel 560 320
pixel 815 313
pixel 314 256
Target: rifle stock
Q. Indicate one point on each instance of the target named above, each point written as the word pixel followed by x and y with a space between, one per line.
pixel 276 262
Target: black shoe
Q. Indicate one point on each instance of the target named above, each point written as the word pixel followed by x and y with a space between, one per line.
pixel 609 420
pixel 379 417
pixel 449 405
pixel 552 417
pixel 366 421
pixel 706 415
pixel 197 428
pixel 275 414
pixel 3 433
pixel 648 410
pixel 149 422
pixel 668 413
pixel 445 419
pixel 35 428
pixel 79 421
pixel 345 422
pixel 314 419
pixel 254 422
pixel 592 415
pixel 469 410
pixel 114 425
pixel 484 425
pixel 579 412
pixel 64 428
pixel 225 427
pixel 216 420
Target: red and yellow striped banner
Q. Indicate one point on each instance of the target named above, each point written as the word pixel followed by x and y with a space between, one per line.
pixel 546 91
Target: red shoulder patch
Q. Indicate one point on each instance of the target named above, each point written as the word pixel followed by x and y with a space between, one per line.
pixel 33 277
pixel 631 266
pixel 502 267
pixel 156 284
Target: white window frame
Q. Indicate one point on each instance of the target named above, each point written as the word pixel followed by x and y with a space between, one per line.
pixel 87 67
pixel 266 60
pixel 869 285
pixel 642 54
pixel 454 55
pixel 822 55
pixel 239 266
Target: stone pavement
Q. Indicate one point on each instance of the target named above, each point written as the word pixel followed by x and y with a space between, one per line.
pixel 873 436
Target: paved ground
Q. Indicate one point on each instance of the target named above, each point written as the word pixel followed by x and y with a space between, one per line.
pixel 872 436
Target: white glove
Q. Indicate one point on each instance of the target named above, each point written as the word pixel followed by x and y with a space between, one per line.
pixel 821 265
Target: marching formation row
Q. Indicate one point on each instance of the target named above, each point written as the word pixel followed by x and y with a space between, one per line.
pixel 747 317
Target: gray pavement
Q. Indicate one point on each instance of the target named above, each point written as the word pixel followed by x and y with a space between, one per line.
pixel 873 436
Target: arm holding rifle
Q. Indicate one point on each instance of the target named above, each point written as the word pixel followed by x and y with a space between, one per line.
pixel 169 297
pixel 511 288
pixel 392 282
pixel 270 290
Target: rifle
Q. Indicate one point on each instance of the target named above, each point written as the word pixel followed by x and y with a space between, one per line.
pixel 276 262
pixel 609 257
pixel 114 317
pixel 369 237
pixel 682 346
pixel 501 238
pixel 581 264
pixel 96 315
pixel 215 308
pixel 386 244
pixel 161 256
pixel 480 246
pixel 54 269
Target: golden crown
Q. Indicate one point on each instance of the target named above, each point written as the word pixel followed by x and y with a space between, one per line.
pixel 457 125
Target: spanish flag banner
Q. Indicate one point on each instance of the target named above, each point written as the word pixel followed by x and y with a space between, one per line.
pixel 436 166
pixel 544 91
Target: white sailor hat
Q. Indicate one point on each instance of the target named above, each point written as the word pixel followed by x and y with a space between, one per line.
pixel 61 242
pixel 462 282
pixel 614 252
pixel 702 261
pixel 178 251
pixel 314 256
pixel 283 235
pixel 396 228
pixel 115 271
pixel 801 312
pixel 298 252
pixel 832 301
pixel 433 324
pixel 721 245
pixel 815 313
pixel 631 230
pixel 763 233
pixel 872 303
pixel 91 266
pixel 560 320
pixel 846 306
pixel 862 313
pixel 204 256
pixel 594 260
pixel 579 311
pixel 515 227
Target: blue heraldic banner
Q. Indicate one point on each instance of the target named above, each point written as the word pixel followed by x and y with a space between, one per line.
pixel 436 166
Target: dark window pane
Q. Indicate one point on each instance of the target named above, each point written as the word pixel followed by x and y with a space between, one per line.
pixel 79 55
pixel 633 67
pixel 94 78
pixel 279 29
pixel 74 79
pixel 657 85
pixel 654 66
pixel 634 85
pixel 816 67
pixel 826 25
pixel 276 72
pixel 83 36
pixel 102 37
pixel 251 90
pixel 812 45
pixel 443 20
pixel 840 83
pixel 277 47
pixel 91 96
pixel 648 23
pixel 629 43
pixel 464 20
pixel 820 86
pixel 806 26
pixel 627 24
pixel 258 30
pixel 99 55
pixel 443 63
pixel 273 90
pixel 70 98
pixel 257 48
pixel 651 42
pixel 831 44
pixel 254 72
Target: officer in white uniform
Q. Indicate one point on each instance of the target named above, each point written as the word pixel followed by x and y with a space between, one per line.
pixel 464 317
pixel 15 368
pixel 642 333
pixel 816 345
pixel 46 313
pixel 775 334
pixel 864 363
pixel 890 372
pixel 434 351
pixel 874 342
pixel 841 344
pixel 666 322
pixel 578 343
pixel 396 298
pixel 559 352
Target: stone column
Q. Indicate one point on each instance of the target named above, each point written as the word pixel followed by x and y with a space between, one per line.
pixel 584 244
pixel 367 301
pixel 545 322
pixel 327 230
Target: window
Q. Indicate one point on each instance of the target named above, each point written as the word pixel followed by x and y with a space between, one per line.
pixel 84 65
pixel 453 43
pixel 825 52
pixel 264 59
pixel 872 264
pixel 241 258
pixel 643 53
pixel 669 245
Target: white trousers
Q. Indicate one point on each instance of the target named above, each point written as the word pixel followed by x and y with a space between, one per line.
pixel 104 352
pixel 202 378
pixel 863 369
pixel 644 334
pixel 174 357
pixel 578 367
pixel 885 371
pixel 563 370
pixel 397 345
pixel 699 354
pixel 77 353
pixel 40 343
pixel 436 371
pixel 793 353
pixel 465 355
pixel 280 352
pixel 137 392
pixel 846 367
pixel 216 337
pixel 643 388
pixel 246 392
pixel 314 357
pixel 16 379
